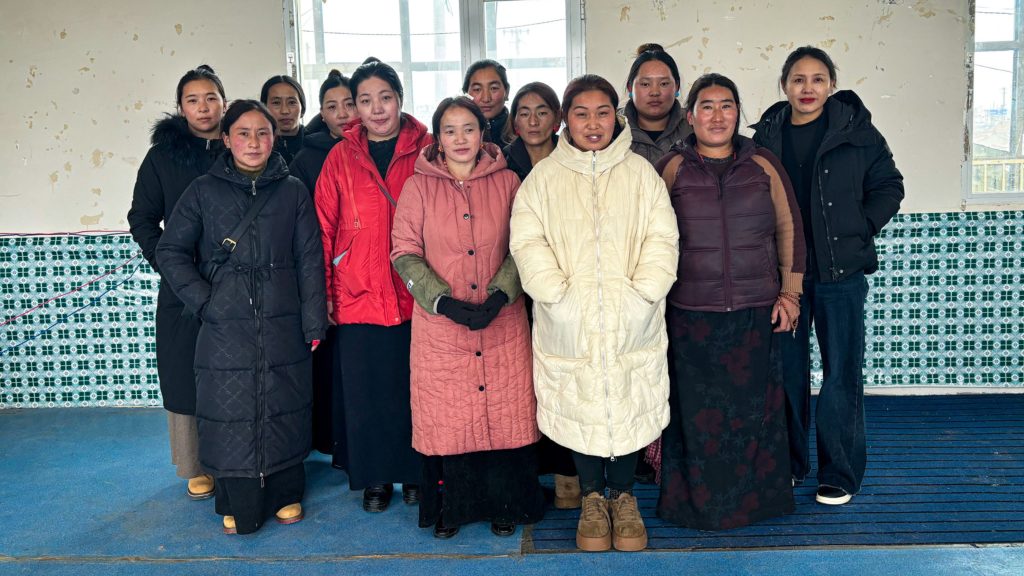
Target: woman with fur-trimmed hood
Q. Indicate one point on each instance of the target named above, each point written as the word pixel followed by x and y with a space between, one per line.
pixel 185 145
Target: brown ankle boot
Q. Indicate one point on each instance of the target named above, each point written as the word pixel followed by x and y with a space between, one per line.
pixel 593 534
pixel 201 487
pixel 628 532
pixel 567 492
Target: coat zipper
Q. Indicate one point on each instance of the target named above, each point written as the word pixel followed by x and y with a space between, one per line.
pixel 600 303
pixel 256 305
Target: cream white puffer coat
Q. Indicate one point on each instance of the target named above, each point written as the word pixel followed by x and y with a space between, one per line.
pixel 596 242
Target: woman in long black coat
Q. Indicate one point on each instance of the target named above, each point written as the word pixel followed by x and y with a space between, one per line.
pixel 262 311
pixel 185 145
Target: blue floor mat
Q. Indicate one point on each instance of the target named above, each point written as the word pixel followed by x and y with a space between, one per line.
pixel 941 470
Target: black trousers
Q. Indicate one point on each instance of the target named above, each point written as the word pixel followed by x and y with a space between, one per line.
pixel 251 504
pixel 596 472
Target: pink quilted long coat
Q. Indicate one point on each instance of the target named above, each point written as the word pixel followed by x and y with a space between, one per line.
pixel 470 390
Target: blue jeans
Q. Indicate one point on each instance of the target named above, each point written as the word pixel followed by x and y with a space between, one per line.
pixel 837 311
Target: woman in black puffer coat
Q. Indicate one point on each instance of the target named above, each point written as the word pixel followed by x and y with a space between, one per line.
pixel 261 312
pixel 185 145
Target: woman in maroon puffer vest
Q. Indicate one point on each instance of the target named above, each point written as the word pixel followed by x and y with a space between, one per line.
pixel 725 455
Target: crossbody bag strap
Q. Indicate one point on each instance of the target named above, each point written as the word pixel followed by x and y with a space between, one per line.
pixel 227 245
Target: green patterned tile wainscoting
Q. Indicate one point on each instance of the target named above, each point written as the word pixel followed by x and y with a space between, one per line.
pixel 946 310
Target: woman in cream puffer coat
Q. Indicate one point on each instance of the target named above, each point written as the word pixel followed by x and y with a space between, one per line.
pixel 596 243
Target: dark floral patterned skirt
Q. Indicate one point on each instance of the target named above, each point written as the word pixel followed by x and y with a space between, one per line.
pixel 725 454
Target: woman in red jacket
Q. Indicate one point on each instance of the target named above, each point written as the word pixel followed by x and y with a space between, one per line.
pixel 474 413
pixel 356 197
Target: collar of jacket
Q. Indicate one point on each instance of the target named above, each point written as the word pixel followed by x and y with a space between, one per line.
pixel 490 161
pixel 498 123
pixel 409 134
pixel 185 147
pixel 675 118
pixel 848 121
pixel 320 140
pixel 517 153
pixel 594 162
pixel 224 168
pixel 743 148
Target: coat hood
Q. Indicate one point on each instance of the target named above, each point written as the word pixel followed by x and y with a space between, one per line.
pixel 320 140
pixel 600 161
pixel 185 148
pixel 224 169
pixel 490 161
pixel 411 129
pixel 846 114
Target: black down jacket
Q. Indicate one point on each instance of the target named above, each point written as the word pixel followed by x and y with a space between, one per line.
pixel 260 312
pixel 857 188
pixel 175 160
pixel 308 163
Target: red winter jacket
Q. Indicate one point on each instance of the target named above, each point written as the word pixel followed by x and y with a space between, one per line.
pixel 356 210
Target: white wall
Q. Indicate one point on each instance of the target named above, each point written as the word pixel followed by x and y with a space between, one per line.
pixel 83 81
pixel 907 60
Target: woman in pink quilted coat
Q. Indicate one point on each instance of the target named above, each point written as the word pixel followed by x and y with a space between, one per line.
pixel 474 413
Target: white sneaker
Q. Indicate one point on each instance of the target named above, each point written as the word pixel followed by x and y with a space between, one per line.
pixel 832 495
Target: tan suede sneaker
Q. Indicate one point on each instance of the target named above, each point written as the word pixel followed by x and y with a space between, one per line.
pixel 201 487
pixel 628 532
pixel 290 514
pixel 567 492
pixel 593 534
pixel 229 525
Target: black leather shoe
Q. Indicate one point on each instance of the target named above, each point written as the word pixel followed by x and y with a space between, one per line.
pixel 444 532
pixel 376 498
pixel 503 529
pixel 410 493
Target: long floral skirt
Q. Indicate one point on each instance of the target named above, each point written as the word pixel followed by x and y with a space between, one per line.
pixel 725 454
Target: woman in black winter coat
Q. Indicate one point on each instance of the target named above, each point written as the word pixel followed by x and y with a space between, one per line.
pixel 262 311
pixel 185 145
pixel 533 131
pixel 284 97
pixel 848 188
pixel 336 109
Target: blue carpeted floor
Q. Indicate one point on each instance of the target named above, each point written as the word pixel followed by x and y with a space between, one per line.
pixel 91 491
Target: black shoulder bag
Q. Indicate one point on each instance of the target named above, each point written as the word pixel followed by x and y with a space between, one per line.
pixel 227 246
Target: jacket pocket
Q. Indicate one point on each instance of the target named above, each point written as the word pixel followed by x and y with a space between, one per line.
pixel 639 320
pixel 559 328
pixel 351 272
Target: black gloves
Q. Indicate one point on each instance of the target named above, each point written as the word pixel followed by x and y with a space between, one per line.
pixel 456 310
pixel 489 310
pixel 472 316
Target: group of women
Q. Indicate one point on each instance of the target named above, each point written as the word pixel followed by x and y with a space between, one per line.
pixel 462 308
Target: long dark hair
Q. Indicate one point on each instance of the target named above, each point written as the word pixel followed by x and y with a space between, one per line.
pixel 647 52
pixel 201 72
pixel 481 65
pixel 805 51
pixel 586 83
pixel 447 104
pixel 374 68
pixel 335 79
pixel 713 79
pixel 239 107
pixel 543 91
pixel 274 81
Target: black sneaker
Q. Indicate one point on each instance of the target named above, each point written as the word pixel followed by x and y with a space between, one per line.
pixel 503 529
pixel 444 532
pixel 376 498
pixel 410 493
pixel 832 495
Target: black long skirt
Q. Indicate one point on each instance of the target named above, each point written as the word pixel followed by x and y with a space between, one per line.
pixel 175 355
pixel 725 453
pixel 491 486
pixel 323 384
pixel 252 501
pixel 375 406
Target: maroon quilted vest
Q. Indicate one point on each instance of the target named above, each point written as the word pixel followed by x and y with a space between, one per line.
pixel 727 255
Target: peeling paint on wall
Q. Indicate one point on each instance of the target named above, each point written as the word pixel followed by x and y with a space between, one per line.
pixel 624 13
pixel 177 28
pixel 90 219
pixel 99 158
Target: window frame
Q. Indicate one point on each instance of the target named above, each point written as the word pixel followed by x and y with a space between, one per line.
pixel 1016 108
pixel 472 39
